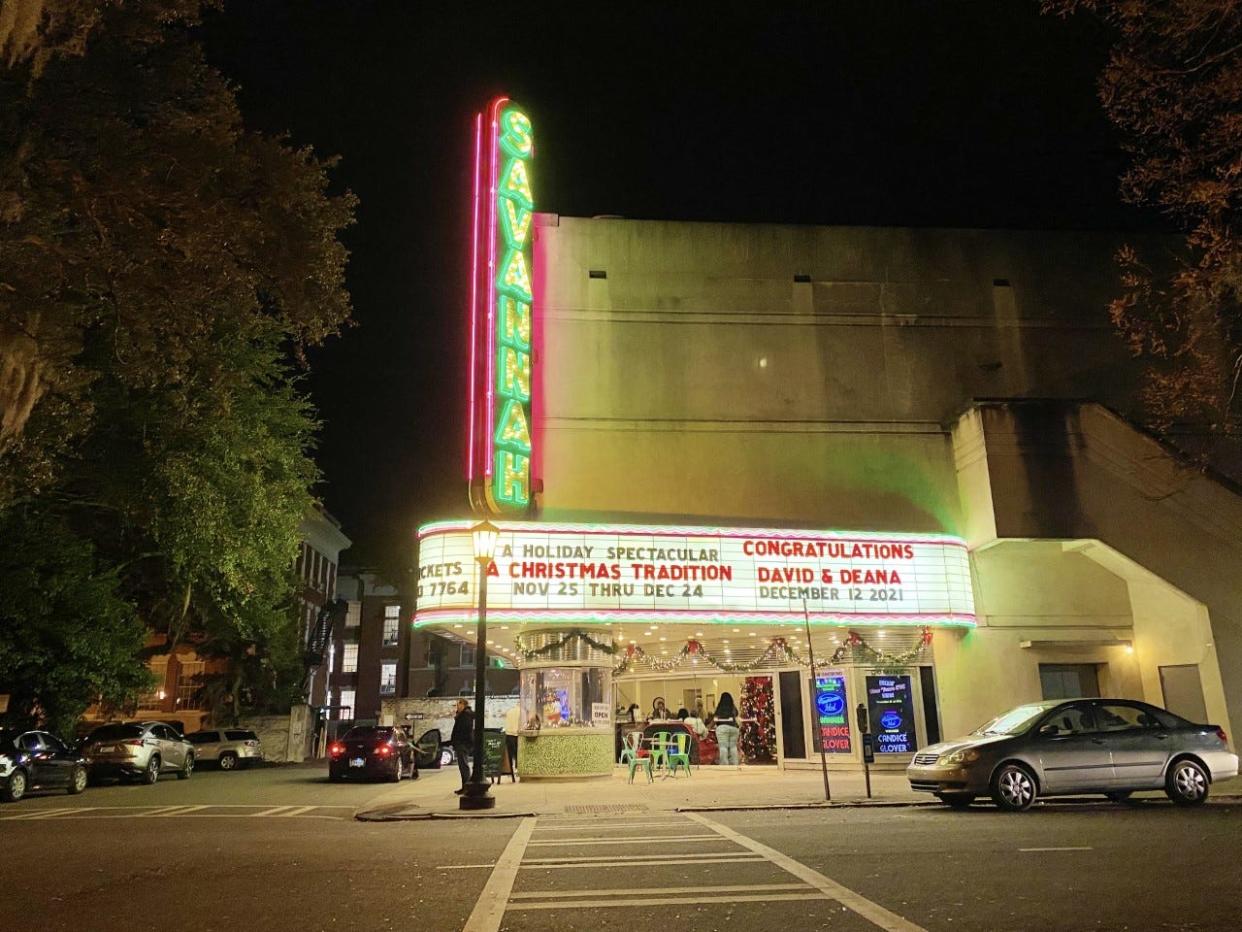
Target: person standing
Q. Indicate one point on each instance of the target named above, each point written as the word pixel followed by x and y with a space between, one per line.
pixel 513 722
pixel 462 740
pixel 726 730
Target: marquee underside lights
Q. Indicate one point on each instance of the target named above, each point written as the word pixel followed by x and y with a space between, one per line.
pixel 501 440
pixel 610 574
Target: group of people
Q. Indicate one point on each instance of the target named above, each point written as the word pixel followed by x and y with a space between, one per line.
pixel 724 719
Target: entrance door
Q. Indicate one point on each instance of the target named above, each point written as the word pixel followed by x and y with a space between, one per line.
pixel 1183 692
pixel 793 734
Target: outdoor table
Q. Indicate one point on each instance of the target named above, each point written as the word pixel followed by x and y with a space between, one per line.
pixel 656 744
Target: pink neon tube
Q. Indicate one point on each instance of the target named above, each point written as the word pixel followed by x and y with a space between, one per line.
pixel 493 143
pixel 474 293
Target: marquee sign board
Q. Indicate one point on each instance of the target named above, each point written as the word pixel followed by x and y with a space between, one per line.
pixel 580 573
pixel 499 435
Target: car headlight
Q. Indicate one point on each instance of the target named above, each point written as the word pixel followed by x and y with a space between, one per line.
pixel 960 756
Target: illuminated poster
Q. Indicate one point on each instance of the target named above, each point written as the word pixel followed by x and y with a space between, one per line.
pixel 500 436
pixel 890 707
pixel 832 713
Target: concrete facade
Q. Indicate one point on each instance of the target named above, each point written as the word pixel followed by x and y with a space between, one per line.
pixel 830 377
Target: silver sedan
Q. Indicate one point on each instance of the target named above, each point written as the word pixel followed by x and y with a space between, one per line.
pixel 1057 748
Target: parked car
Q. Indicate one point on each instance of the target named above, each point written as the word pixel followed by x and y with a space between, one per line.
pixel 137 749
pixel 229 748
pixel 37 760
pixel 373 751
pixel 1057 748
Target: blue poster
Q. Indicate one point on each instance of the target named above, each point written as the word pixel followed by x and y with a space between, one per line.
pixel 832 713
pixel 890 706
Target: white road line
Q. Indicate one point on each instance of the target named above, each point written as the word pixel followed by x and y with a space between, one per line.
pixel 1069 848
pixel 295 811
pixel 38 814
pixel 662 891
pixel 681 901
pixel 65 812
pixel 660 862
pixel 662 840
pixel 573 826
pixel 872 912
pixel 489 911
pixel 462 867
pixel 179 811
pixel 701 855
pixel 159 810
pixel 268 812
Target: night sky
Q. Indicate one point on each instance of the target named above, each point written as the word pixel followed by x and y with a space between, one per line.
pixel 974 113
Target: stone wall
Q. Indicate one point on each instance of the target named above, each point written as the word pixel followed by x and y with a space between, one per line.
pixel 285 738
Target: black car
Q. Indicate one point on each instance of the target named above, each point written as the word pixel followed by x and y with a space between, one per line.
pixel 373 751
pixel 37 760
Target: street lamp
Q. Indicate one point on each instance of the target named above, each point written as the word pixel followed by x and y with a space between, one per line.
pixel 477 795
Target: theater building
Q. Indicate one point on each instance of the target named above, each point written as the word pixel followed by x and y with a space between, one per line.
pixel 703 441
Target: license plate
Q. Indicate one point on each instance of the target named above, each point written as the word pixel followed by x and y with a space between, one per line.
pixel 358 762
pixel 106 749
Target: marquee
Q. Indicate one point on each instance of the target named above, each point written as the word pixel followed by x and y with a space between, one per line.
pixel 578 573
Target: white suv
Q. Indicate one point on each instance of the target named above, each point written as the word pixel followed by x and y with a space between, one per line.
pixel 230 748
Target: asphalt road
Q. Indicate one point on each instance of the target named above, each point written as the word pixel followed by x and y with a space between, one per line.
pixel 278 849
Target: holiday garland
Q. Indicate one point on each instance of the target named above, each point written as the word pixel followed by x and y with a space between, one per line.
pixel 530 653
pixel 777 652
pixel 857 650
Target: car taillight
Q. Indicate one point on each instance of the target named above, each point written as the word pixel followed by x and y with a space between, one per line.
pixel 1220 733
pixel 252 744
pixel 336 749
pixel 383 750
pixel 133 742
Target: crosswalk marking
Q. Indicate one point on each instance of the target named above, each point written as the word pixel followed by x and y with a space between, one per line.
pixel 681 901
pixel 198 811
pixel 671 840
pixel 41 814
pixel 654 862
pixel 175 811
pixel 705 857
pixel 295 811
pixel 661 891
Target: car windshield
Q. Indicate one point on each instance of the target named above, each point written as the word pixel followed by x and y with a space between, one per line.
pixel 114 732
pixel 1013 722
pixel 368 731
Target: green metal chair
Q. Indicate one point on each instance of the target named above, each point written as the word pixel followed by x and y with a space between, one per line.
pixel 681 756
pixel 630 746
pixel 644 762
pixel 659 752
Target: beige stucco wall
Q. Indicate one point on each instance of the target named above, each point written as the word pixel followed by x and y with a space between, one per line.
pixel 699 381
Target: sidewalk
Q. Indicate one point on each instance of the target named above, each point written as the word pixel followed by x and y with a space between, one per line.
pixel 709 788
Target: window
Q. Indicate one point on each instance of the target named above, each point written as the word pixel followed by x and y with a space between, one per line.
pixel 353 615
pixel 349 662
pixel 392 622
pixel 1069 720
pixel 241 736
pixel 314 576
pixel 331 587
pixel 189 681
pixel 52 743
pixel 159 671
pixel 347 704
pixel 1124 718
pixel 467 656
pixel 29 741
pixel 388 679
pixel 1069 680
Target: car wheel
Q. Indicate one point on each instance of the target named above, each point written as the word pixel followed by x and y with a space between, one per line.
pixel 395 777
pixel 77 781
pixel 1119 796
pixel 152 773
pixel 1013 788
pixel 956 800
pixel 184 772
pixel 1187 784
pixel 16 787
pixel 228 761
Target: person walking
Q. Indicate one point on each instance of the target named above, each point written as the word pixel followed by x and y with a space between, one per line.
pixel 462 740
pixel 726 730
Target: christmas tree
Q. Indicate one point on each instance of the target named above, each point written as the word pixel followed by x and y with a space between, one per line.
pixel 758 738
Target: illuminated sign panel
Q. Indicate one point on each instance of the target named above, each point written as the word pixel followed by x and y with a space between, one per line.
pixel 890 706
pixel 500 438
pixel 832 713
pixel 581 573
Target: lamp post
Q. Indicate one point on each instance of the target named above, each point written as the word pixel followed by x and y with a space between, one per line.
pixel 477 795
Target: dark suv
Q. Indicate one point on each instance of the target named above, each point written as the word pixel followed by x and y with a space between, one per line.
pixel 137 749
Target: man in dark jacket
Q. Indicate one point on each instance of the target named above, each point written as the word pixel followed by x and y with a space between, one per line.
pixel 462 740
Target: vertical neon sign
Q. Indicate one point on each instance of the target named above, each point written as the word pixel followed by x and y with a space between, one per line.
pixel 501 352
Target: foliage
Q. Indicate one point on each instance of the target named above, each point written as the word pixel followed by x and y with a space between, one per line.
pixel 161 268
pixel 66 636
pixel 1173 87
